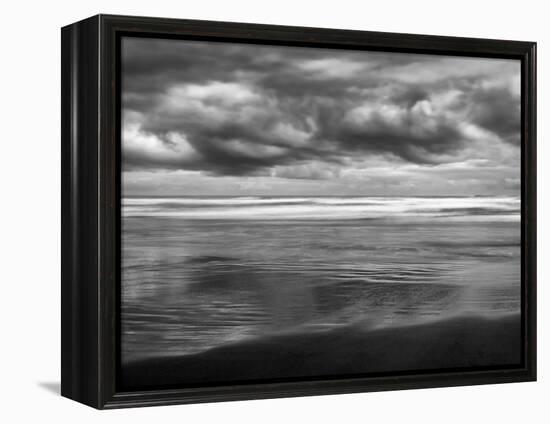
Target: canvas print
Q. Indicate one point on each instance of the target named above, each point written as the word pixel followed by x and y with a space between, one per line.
pixel 304 213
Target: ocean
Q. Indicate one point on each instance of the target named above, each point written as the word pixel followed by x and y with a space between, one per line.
pixel 203 272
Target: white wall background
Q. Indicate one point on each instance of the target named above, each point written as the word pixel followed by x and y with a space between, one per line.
pixel 30 212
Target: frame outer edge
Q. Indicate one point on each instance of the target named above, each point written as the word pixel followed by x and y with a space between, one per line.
pixel 68 359
pixel 531 216
pixel 80 337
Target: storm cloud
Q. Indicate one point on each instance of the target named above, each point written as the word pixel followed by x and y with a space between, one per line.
pixel 238 110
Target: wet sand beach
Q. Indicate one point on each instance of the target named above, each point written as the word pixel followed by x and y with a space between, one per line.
pixel 239 289
pixel 453 343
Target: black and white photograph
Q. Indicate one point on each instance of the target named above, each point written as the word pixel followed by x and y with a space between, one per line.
pixel 292 212
pixel 264 213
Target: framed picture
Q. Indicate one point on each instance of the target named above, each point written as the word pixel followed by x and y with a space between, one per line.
pixel 254 211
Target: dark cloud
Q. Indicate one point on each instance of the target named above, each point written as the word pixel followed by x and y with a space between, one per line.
pixel 498 110
pixel 235 109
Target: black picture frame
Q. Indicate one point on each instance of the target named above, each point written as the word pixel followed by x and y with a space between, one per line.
pixel 90 140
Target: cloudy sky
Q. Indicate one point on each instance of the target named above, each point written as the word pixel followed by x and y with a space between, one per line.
pixel 235 119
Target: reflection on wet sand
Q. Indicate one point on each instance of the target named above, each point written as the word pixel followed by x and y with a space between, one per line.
pixel 190 287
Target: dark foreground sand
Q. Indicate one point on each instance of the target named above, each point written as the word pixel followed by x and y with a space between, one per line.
pixel 457 342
